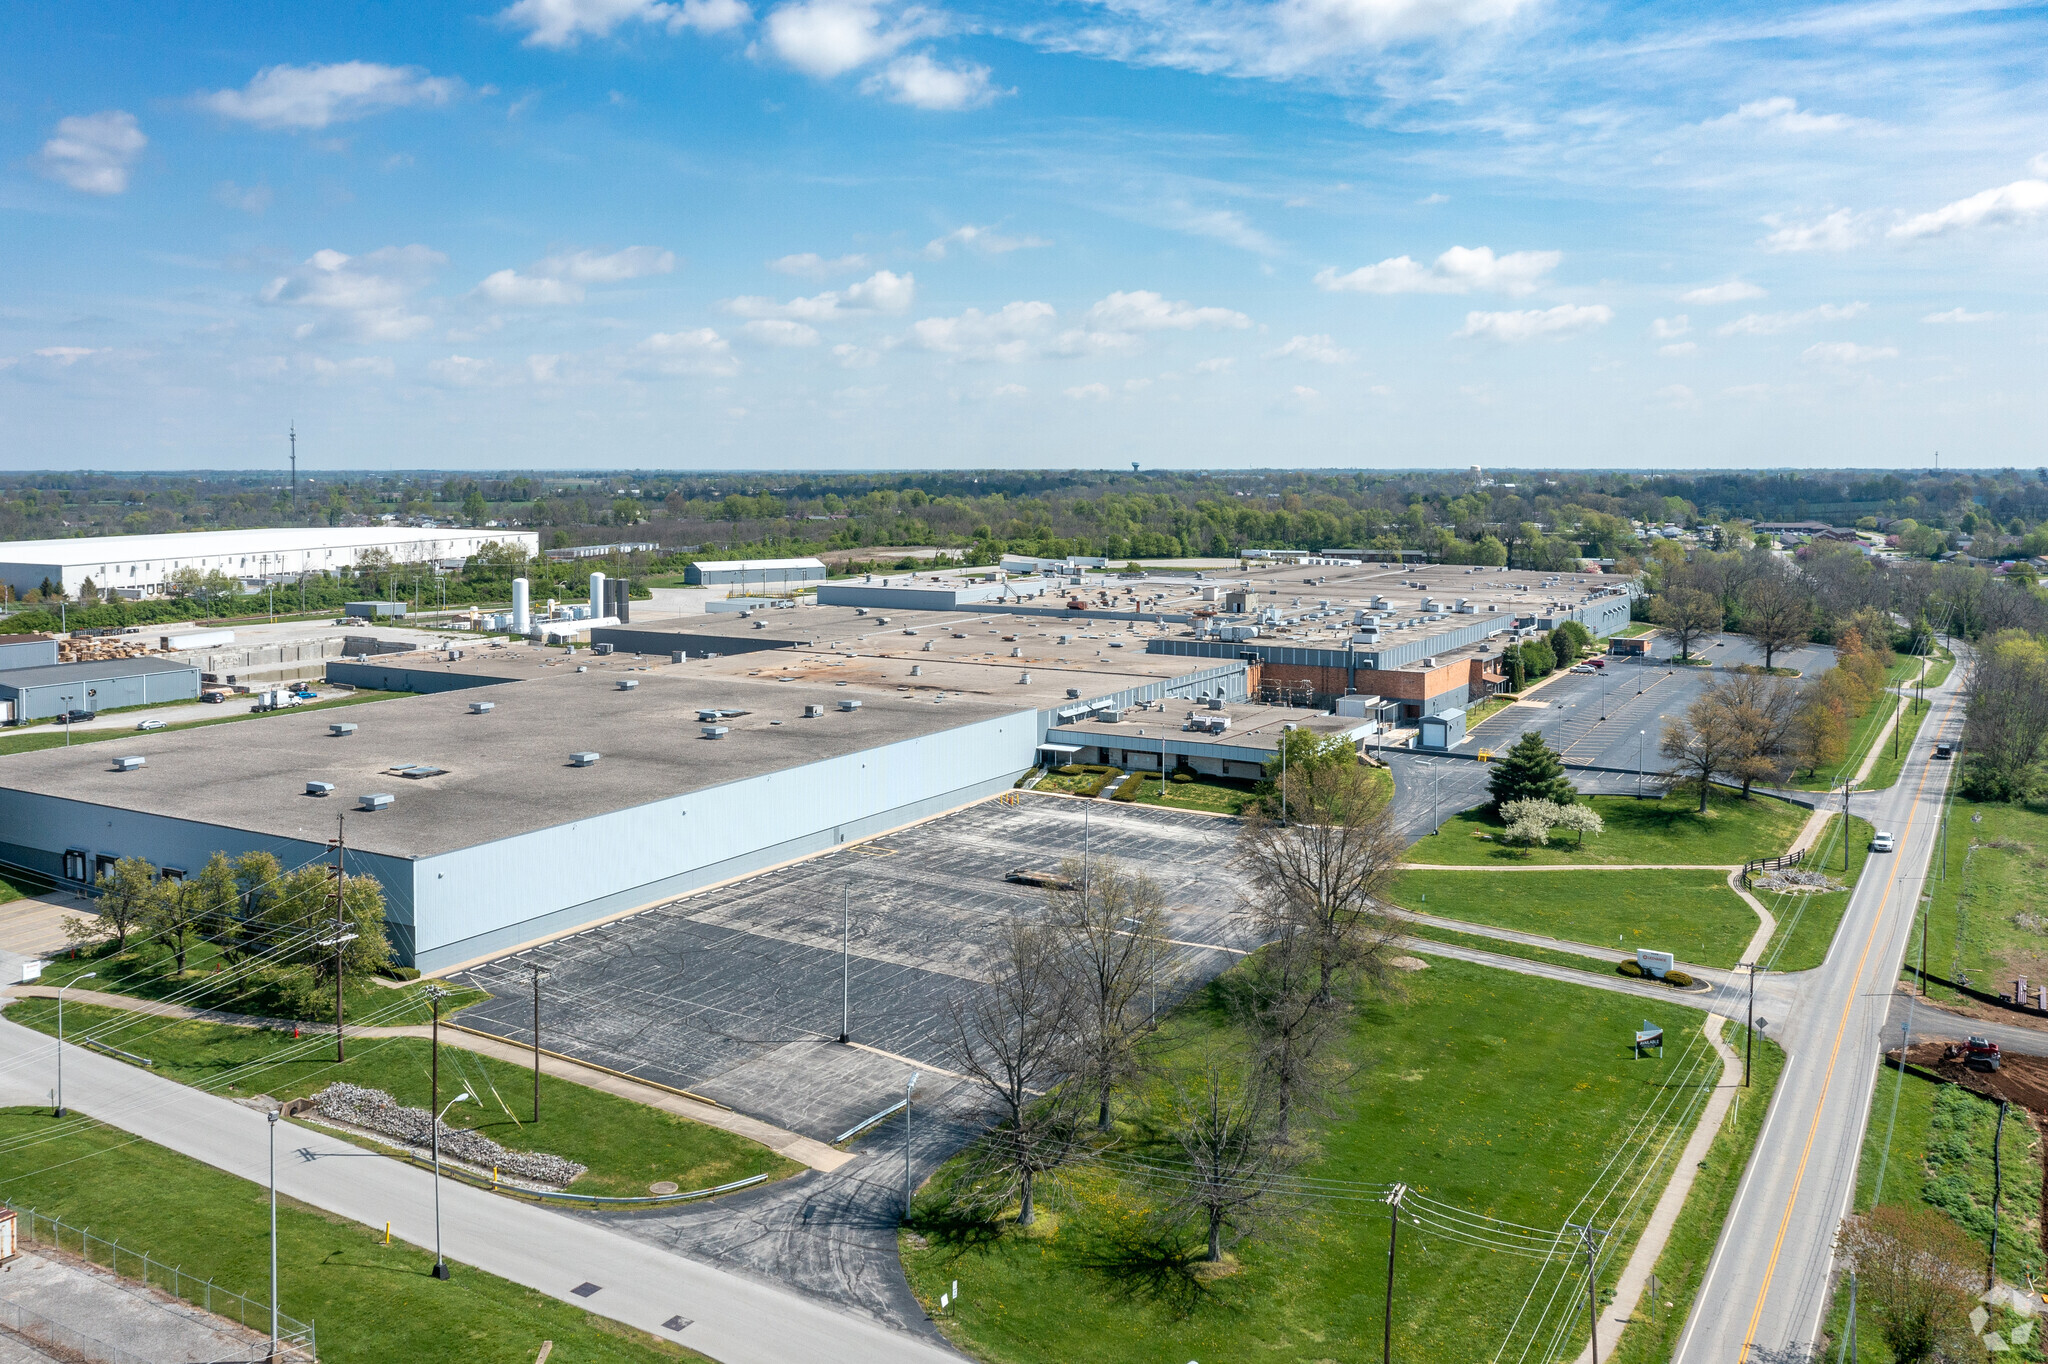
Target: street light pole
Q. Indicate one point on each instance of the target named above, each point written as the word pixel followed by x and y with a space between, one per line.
pixel 89 975
pixel 273 1232
pixel 440 1264
pixel 845 963
pixel 908 1086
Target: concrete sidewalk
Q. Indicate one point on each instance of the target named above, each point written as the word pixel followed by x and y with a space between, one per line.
pixel 728 1316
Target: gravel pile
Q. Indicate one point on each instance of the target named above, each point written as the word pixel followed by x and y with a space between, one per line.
pixel 1796 880
pixel 376 1111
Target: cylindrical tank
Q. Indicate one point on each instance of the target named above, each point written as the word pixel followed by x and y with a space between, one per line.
pixel 521 611
pixel 596 595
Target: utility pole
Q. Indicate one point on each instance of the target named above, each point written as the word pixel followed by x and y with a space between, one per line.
pixel 1926 906
pixel 295 468
pixel 845 963
pixel 434 994
pixel 1393 1241
pixel 1587 1234
pixel 273 1233
pixel 538 972
pixel 1997 1183
pixel 1749 1037
pixel 341 937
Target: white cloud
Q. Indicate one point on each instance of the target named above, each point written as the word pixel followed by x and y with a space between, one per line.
pixel 544 369
pixel 827 38
pixel 1770 324
pixel 700 351
pixel 1008 391
pixel 368 296
pixel 1220 364
pixel 1099 392
pixel 463 371
pixel 1960 315
pixel 92 153
pixel 1782 114
pixel 315 96
pixel 1143 310
pixel 590 267
pixel 921 83
pixel 1225 225
pixel 1563 320
pixel 1847 353
pixel 1670 328
pixel 1678 350
pixel 811 265
pixel 983 239
pixel 1318 348
pixel 564 23
pixel 253 199
pixel 1460 270
pixel 882 292
pixel 1432 200
pixel 1015 332
pixel 1838 231
pixel 1304 392
pixel 1732 291
pixel 777 331
pixel 1677 395
pixel 512 288
pixel 856 357
pixel 69 355
pixel 2020 202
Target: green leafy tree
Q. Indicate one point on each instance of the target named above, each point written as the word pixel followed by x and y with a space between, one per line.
pixel 172 917
pixel 1531 770
pixel 126 890
pixel 217 903
pixel 474 507
pixel 1570 642
pixel 1537 658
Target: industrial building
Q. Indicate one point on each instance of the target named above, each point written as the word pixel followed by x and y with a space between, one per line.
pixel 144 565
pixel 39 693
pixel 779 574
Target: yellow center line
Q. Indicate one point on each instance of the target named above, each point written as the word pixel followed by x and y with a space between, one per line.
pixel 1841 1030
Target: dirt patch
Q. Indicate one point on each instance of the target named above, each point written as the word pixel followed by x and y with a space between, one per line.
pixel 2021 1080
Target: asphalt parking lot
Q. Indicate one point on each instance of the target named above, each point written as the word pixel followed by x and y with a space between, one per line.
pixel 735 992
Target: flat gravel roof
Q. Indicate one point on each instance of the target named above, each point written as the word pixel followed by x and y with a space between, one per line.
pixel 507 772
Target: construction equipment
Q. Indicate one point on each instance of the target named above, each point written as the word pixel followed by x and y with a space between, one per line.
pixel 1981 1053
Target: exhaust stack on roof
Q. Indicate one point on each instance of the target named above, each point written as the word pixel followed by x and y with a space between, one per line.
pixel 522 614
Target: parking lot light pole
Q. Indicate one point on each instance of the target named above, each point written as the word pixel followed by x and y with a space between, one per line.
pixel 908 1086
pixel 845 963
pixel 273 1233
pixel 89 975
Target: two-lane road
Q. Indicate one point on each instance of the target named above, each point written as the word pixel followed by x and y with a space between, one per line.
pixel 1768 1283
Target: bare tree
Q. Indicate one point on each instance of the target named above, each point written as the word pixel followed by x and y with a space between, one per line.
pixel 1236 1160
pixel 1764 711
pixel 1278 1000
pixel 1706 743
pixel 1112 925
pixel 1688 613
pixel 1014 1038
pixel 1777 613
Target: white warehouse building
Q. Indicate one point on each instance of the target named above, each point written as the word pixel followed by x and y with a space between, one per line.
pixel 143 565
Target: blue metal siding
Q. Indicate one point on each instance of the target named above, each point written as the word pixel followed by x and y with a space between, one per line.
pixel 396 677
pixel 39 701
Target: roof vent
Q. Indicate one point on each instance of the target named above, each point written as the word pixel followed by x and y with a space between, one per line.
pixel 1017 652
pixel 813 712
pixel 1073 693
pixel 583 759
pixel 482 707
pixel 128 764
pixel 1024 679
pixel 849 703
pixel 582 667
pixel 917 670
pixel 707 715
pixel 928 645
pixel 679 655
pixel 711 732
pixel 341 729
pixel 628 683
pixel 379 801
pixel 319 788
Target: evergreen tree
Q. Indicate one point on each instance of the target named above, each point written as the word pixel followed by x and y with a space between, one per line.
pixel 1531 771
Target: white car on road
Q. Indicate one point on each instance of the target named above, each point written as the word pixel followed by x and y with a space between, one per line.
pixel 1883 842
pixel 151 724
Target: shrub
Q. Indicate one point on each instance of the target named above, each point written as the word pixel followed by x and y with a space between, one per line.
pixel 1183 777
pixel 1629 968
pixel 401 972
pixel 1678 978
pixel 1129 790
pixel 1068 770
pixel 1103 777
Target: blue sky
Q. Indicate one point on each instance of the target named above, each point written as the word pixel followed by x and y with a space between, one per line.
pixel 833 234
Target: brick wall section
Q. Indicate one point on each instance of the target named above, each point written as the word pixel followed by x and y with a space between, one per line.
pixel 1469 679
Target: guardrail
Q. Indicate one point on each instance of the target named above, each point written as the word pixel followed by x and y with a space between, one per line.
pixel 1766 865
pixel 295 1337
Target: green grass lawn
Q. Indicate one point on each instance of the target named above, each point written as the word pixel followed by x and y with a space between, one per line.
pixel 1635 629
pixel 370 1303
pixel 1494 1092
pixel 1932 1143
pixel 1807 923
pixel 626 1145
pixel 1074 784
pixel 1213 794
pixel 14 885
pixel 1485 710
pixel 1653 1331
pixel 1692 914
pixel 53 736
pixel 1862 734
pixel 1669 830
pixel 147 971
pixel 1989 918
pixel 1525 951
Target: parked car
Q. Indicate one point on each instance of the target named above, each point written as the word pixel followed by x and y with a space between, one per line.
pixel 78 717
pixel 307 694
pixel 1597 662
pixel 151 724
pixel 1883 842
pixel 213 698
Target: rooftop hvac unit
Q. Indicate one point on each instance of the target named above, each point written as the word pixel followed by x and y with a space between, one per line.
pixel 1017 652
pixel 928 645
pixel 319 788
pixel 128 764
pixel 1429 662
pixel 715 731
pixel 582 667
pixel 848 703
pixel 1023 679
pixel 628 683
pixel 1073 693
pixel 1066 639
pixel 482 707
pixel 583 759
pixel 679 655
pixel 917 670
pixel 813 712
pixel 600 649
pixel 341 729
pixel 1216 703
pixel 380 801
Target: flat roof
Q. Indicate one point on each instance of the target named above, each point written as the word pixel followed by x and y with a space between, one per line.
pixel 59 674
pixel 79 550
pixel 756 565
pixel 1251 726
pixel 507 772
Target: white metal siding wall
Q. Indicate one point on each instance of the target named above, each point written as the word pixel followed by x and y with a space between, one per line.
pixel 483 899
